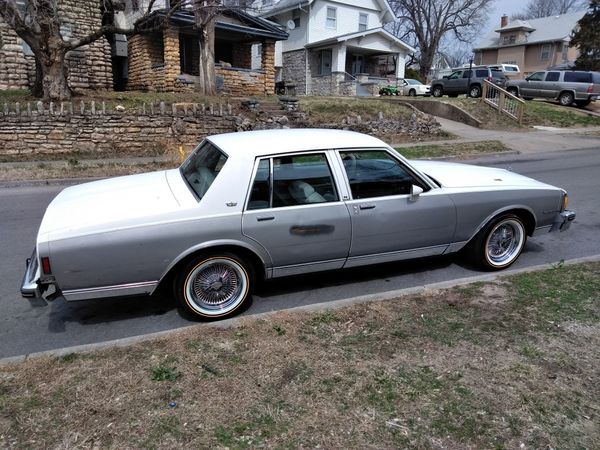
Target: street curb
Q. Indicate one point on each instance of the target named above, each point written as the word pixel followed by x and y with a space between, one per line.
pixel 335 304
pixel 50 182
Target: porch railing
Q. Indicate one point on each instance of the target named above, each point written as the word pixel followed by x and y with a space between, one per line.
pixel 502 100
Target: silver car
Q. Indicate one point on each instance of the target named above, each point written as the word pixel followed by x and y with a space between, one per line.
pixel 265 204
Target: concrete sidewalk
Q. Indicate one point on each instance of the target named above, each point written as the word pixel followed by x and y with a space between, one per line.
pixel 542 139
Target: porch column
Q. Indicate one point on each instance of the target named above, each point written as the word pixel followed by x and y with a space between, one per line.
pixel 268 66
pixel 171 58
pixel 400 63
pixel 339 59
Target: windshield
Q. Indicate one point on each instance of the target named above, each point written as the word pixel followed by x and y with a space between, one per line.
pixel 202 167
pixel 411 81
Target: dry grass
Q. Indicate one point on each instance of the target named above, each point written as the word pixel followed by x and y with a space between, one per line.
pixel 459 151
pixel 484 366
pixel 327 110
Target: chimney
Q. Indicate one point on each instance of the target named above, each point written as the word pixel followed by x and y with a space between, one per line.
pixel 503 21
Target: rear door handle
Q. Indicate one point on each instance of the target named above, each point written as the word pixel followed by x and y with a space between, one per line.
pixel 367 206
pixel 264 218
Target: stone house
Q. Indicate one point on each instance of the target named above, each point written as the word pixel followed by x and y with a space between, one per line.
pixel 533 45
pixel 335 46
pixel 168 60
pixel 89 66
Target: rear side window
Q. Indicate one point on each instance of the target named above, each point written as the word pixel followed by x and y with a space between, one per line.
pixel 296 180
pixel 481 73
pixel 552 76
pixel 202 167
pixel 578 77
pixel 596 77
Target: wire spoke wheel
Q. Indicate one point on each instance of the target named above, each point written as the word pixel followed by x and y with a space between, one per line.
pixel 504 243
pixel 215 286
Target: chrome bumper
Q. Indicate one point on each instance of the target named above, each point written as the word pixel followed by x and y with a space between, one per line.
pixel 30 287
pixel 563 220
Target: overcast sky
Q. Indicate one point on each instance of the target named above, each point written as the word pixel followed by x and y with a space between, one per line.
pixel 501 7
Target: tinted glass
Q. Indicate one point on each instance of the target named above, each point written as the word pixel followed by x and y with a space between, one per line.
pixel 376 174
pixel 596 77
pixel 552 76
pixel 202 167
pixel 538 76
pixel 578 77
pixel 302 180
pixel 260 196
pixel 481 73
pixel 498 74
pixel 466 74
pixel 455 75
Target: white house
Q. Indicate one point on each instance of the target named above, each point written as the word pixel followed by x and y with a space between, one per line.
pixel 334 46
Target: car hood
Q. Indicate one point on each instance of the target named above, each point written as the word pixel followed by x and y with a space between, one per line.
pixel 109 204
pixel 454 175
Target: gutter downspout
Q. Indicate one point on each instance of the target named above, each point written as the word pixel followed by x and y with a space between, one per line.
pixel 306 62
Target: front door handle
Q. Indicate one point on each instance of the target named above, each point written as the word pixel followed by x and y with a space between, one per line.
pixel 367 206
pixel 264 218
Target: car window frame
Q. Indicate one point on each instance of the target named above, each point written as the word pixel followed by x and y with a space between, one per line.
pixel 259 158
pixel 543 72
pixel 427 184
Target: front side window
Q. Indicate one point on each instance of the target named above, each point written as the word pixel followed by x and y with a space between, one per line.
pixel 202 167
pixel 363 21
pixel 331 21
pixel 455 75
pixel 552 76
pixel 537 76
pixel 374 173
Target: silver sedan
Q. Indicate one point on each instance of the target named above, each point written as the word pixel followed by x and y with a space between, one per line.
pixel 265 204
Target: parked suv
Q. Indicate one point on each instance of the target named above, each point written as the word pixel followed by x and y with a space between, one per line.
pixel 458 82
pixel 566 86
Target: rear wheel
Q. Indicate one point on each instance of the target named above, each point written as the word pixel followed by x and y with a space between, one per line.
pixel 475 91
pixel 499 244
pixel 565 99
pixel 514 91
pixel 214 286
pixel 412 93
pixel 437 91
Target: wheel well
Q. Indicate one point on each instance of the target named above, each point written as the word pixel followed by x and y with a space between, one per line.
pixel 526 216
pixel 566 91
pixel 437 86
pixel 475 84
pixel 248 255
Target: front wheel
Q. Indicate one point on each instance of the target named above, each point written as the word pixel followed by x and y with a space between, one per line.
pixel 437 91
pixel 214 286
pixel 499 244
pixel 513 91
pixel 412 93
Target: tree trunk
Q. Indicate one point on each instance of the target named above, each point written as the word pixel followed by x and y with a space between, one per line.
pixel 54 80
pixel 207 83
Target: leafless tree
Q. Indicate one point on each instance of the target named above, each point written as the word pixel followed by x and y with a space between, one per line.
pixel 427 22
pixel 38 23
pixel 455 53
pixel 545 8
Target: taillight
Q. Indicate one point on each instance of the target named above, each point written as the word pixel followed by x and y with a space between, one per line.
pixel 590 89
pixel 46 265
pixel 490 78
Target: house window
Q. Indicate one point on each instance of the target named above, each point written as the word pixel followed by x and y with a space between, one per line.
pixel 331 21
pixel 565 52
pixel 512 39
pixel 296 18
pixel 545 52
pixel 363 21
pixel 135 5
pixel 21 5
pixel 325 62
pixel 189 54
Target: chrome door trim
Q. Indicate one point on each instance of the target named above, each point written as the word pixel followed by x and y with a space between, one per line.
pixel 355 261
pixel 298 269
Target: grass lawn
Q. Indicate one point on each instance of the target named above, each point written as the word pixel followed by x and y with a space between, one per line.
pixel 536 113
pixel 459 151
pixel 508 364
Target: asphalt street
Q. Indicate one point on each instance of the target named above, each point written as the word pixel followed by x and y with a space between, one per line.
pixel 24 329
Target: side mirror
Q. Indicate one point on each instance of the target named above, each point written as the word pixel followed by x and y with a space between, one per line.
pixel 415 191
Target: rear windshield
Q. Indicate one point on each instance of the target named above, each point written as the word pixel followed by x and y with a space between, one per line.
pixel 578 77
pixel 202 167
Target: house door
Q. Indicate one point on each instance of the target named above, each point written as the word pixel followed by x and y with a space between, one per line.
pixel 358 64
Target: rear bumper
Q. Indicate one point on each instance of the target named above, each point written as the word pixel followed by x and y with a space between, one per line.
pixel 30 287
pixel 563 220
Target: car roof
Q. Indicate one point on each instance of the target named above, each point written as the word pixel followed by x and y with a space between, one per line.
pixel 268 142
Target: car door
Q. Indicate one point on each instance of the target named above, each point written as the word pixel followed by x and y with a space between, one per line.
pixel 453 83
pixel 295 212
pixel 549 88
pixel 532 86
pixel 388 222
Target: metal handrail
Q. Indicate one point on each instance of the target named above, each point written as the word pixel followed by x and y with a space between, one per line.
pixel 352 77
pixel 502 100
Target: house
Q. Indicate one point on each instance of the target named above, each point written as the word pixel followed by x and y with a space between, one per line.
pixel 533 45
pixel 167 58
pixel 335 47
pixel 89 66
